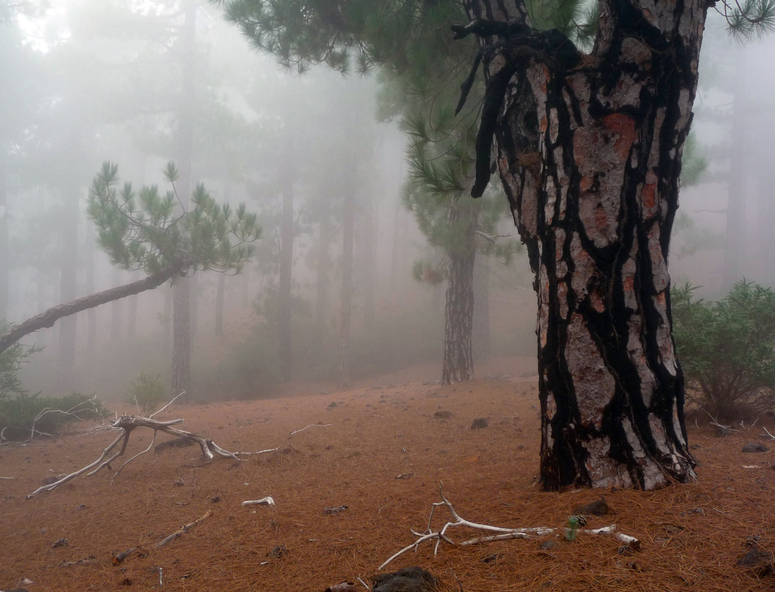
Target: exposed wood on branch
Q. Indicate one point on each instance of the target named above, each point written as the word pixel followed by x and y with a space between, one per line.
pixel 312 425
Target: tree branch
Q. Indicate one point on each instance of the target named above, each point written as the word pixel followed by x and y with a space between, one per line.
pixel 52 315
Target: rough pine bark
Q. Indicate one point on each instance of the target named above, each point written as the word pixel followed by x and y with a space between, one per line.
pixel 458 363
pixel 589 153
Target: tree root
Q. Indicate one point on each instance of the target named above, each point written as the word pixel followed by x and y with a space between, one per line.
pixel 501 533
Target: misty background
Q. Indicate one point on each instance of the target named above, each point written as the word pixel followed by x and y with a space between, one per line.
pixel 86 81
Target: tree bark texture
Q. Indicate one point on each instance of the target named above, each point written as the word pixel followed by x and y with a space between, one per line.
pixel 52 315
pixel 286 259
pixel 348 232
pixel 458 363
pixel 589 153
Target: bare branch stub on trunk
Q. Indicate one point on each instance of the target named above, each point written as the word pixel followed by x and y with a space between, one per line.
pixel 589 153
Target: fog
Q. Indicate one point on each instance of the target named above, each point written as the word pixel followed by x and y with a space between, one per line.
pixel 88 81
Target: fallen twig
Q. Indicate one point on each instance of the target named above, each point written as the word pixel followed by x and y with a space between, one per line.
pixel 312 425
pixel 72 412
pixel 501 533
pixel 6 478
pixel 184 529
pixel 768 433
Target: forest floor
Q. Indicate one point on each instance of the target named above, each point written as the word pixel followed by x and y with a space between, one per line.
pixel 381 449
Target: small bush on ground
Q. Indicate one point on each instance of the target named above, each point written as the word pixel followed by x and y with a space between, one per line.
pixel 147 391
pixel 727 349
pixel 11 361
pixel 18 413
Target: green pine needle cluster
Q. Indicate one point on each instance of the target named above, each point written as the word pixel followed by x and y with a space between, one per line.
pixel 147 230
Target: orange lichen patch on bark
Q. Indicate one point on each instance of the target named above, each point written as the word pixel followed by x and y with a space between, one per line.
pixel 562 296
pixel 597 300
pixel 624 127
pixel 649 194
pixel 586 183
pixel 601 218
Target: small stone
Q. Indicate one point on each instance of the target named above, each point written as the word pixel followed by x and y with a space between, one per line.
pixel 331 405
pixel 596 508
pixel 755 447
pixel 479 423
pixel 758 559
pixel 408 579
pixel 549 545
pixel 60 543
pixel 442 415
pixel 278 551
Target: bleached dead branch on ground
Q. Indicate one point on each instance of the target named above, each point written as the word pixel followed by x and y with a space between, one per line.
pixel 127 424
pixel 501 533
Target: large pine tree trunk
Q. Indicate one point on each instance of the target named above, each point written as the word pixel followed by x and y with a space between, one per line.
pixel 458 363
pixel 589 152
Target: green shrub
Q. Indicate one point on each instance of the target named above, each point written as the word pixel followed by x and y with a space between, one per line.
pixel 147 391
pixel 17 414
pixel 727 349
pixel 11 360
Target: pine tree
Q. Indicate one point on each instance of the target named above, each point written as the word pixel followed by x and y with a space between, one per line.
pixel 588 147
pixel 145 230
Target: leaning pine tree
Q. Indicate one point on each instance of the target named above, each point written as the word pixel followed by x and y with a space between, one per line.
pixel 145 230
pixel 588 147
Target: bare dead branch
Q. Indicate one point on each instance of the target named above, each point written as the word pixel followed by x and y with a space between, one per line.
pixel 184 529
pixel 152 415
pixel 501 533
pixel 264 501
pixel 150 446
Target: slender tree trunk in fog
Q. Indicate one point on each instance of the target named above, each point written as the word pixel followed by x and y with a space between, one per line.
pixel 116 309
pixel 181 315
pixel 5 252
pixel 91 314
pixel 286 257
pixel 323 279
pixel 132 302
pixel 734 239
pixel 348 232
pixel 458 363
pixel 369 253
pixel 68 286
pixel 181 339
pixel 481 322
pixel 589 156
pixel 219 297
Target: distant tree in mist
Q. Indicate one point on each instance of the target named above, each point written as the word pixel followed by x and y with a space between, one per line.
pixel 145 230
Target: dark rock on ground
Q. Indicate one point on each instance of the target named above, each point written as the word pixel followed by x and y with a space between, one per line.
pixel 479 423
pixel 277 552
pixel 408 579
pixel 549 545
pixel 596 508
pixel 442 415
pixel 755 447
pixel 758 559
